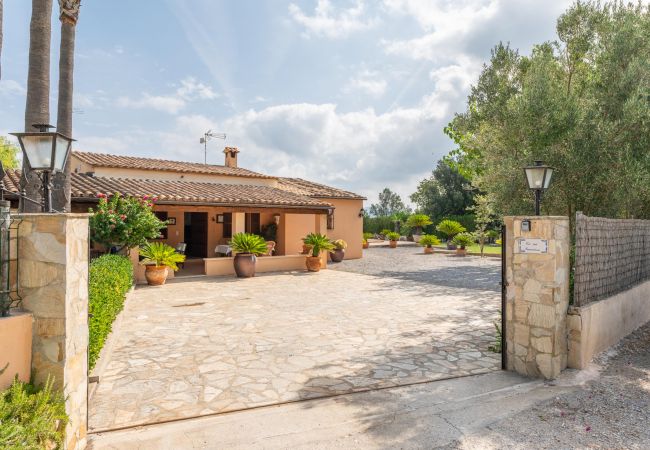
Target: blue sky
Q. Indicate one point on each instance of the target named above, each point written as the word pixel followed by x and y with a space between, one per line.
pixel 349 93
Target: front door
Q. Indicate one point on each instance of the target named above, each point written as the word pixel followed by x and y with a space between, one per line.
pixel 196 234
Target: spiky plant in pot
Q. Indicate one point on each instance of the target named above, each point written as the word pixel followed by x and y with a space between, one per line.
pixel 317 243
pixel 247 247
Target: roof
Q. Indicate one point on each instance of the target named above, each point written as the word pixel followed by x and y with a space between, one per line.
pixel 87 187
pixel 315 190
pixel 136 162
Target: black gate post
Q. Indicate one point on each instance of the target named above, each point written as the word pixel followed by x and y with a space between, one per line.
pixel 504 287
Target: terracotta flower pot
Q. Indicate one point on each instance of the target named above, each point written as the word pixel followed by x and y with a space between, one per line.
pixel 461 251
pixel 313 263
pixel 337 255
pixel 392 244
pixel 366 244
pixel 244 264
pixel 155 275
pixel 428 250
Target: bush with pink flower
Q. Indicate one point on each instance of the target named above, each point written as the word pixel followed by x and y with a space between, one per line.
pixel 124 221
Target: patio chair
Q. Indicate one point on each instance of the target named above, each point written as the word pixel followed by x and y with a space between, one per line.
pixel 180 248
pixel 270 246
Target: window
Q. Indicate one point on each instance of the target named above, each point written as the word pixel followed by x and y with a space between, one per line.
pixel 162 215
pixel 227 225
pixel 330 219
pixel 253 223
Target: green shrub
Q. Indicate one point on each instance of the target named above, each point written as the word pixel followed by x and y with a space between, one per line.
pixel 463 240
pixel 450 228
pixel 32 418
pixel 160 254
pixel 392 236
pixel 111 276
pixel 418 221
pixel 428 240
pixel 247 243
pixel 317 243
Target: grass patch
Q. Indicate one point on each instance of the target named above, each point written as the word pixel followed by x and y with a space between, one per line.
pixel 474 248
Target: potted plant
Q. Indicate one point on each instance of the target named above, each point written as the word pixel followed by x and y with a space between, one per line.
pixel 157 258
pixel 393 238
pixel 338 252
pixel 383 233
pixel 246 248
pixel 365 242
pixel 418 221
pixel 317 243
pixel 450 228
pixel 462 240
pixel 428 241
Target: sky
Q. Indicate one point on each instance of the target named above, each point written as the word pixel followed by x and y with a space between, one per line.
pixel 350 93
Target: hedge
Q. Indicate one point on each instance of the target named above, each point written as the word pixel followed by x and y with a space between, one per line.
pixel 111 276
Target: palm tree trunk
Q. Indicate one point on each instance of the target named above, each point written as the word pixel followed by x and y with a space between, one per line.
pixel 69 16
pixel 37 108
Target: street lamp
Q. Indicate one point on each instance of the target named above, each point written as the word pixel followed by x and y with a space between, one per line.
pixel 45 152
pixel 538 177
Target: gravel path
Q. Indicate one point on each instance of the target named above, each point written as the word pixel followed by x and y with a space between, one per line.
pixel 610 412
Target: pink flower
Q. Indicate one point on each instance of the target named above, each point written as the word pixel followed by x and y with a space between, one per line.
pixel 145 197
pixel 122 216
pixel 100 195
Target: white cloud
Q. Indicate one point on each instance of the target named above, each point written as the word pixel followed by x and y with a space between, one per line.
pixel 367 82
pixel 331 22
pixel 11 87
pixel 189 90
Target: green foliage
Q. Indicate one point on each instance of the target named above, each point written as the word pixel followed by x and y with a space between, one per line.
pixel 389 204
pixel 124 221
pixel 376 224
pixel 484 218
pixel 392 236
pixel 110 277
pixel 450 228
pixel 161 254
pixel 385 231
pixel 317 243
pixel 428 240
pixel 31 417
pixel 580 104
pixel 418 221
pixel 8 153
pixel 444 193
pixel 340 244
pixel 367 236
pixel 463 239
pixel 248 244
pixel 496 347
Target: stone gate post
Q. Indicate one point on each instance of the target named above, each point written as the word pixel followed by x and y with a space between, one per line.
pixel 53 283
pixel 537 294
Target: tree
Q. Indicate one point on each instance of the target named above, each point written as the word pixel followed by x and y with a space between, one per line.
pixel 389 204
pixel 580 104
pixel 484 217
pixel 37 107
pixel 69 14
pixel 8 152
pixel 444 193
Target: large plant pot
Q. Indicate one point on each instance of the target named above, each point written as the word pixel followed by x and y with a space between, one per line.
pixel 337 255
pixel 428 250
pixel 365 244
pixel 313 263
pixel 461 251
pixel 155 275
pixel 245 265
pixel 392 244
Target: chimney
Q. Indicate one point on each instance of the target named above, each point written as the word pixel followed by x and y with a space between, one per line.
pixel 231 156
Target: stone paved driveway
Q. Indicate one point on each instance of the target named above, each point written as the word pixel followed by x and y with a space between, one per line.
pixel 212 345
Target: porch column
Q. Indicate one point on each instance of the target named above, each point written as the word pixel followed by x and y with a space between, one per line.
pixel 238 222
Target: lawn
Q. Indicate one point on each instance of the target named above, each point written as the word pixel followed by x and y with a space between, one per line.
pixel 474 248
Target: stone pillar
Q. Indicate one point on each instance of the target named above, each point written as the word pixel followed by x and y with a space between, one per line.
pixel 53 282
pixel 537 295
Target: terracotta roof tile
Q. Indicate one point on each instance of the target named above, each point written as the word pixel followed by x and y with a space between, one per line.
pixel 134 162
pixel 315 190
pixel 87 187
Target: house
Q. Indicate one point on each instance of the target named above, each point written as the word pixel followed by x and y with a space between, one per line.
pixel 206 204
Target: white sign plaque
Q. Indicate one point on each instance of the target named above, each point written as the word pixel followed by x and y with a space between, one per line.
pixel 532 246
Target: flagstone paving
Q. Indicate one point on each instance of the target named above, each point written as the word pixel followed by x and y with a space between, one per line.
pixel 212 345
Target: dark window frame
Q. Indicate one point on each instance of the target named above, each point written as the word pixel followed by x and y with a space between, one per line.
pixel 227 225
pixel 163 215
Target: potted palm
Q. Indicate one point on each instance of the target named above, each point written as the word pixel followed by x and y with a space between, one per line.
pixel 338 252
pixel 317 243
pixel 247 247
pixel 462 240
pixel 157 258
pixel 365 242
pixel 418 221
pixel 450 228
pixel 428 241
pixel 393 237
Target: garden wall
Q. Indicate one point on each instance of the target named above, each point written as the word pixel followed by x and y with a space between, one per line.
pixel 597 326
pixel 224 266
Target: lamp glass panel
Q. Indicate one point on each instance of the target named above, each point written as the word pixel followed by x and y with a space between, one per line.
pixel 62 146
pixel 547 180
pixel 535 177
pixel 38 150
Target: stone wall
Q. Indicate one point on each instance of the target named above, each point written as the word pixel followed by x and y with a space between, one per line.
pixel 53 281
pixel 537 296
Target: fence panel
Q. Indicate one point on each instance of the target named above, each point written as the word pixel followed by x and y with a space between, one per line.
pixel 612 255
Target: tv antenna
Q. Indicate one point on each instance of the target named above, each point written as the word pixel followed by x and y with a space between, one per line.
pixel 204 140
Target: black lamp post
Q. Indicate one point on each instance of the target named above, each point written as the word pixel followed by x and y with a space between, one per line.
pixel 45 152
pixel 538 177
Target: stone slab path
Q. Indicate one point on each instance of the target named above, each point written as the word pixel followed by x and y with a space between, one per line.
pixel 212 345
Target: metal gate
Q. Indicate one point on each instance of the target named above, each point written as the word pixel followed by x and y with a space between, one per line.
pixel 504 288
